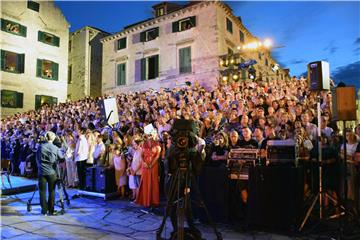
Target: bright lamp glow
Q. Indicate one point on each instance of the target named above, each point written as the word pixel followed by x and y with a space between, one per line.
pixel 222 62
pixel 235 76
pixel 224 78
pixel 267 43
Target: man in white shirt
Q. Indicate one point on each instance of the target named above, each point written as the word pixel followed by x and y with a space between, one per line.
pixel 81 155
pixel 100 150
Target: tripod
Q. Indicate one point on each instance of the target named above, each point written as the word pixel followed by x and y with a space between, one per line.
pixel 179 194
pixel 321 194
pixel 61 190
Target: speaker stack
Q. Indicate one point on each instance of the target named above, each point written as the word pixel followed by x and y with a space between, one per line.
pixel 100 180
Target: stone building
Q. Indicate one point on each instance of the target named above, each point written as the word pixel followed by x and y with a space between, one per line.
pixel 85 59
pixel 180 43
pixel 34 56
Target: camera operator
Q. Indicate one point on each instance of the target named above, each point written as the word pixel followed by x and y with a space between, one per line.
pixel 46 157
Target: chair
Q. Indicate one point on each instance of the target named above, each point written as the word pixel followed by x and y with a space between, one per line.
pixel 5 170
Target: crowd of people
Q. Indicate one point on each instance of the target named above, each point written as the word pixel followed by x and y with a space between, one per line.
pixel 242 114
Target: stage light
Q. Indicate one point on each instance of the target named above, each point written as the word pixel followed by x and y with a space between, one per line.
pixel 238 47
pixel 267 43
pixel 232 61
pixel 235 77
pixel 225 78
pixel 222 62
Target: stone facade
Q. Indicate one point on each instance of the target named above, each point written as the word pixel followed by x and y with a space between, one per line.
pixel 34 55
pixel 85 59
pixel 208 39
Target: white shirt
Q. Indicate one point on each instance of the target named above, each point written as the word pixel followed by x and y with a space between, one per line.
pixel 99 148
pixel 82 149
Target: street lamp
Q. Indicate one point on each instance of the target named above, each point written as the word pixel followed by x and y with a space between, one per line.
pixel 233 65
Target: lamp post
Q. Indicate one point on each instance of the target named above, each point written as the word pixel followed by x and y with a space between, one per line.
pixel 234 67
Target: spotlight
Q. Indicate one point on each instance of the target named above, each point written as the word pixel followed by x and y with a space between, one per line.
pixel 235 77
pixel 222 62
pixel 225 78
pixel 226 62
pixel 238 47
pixel 232 61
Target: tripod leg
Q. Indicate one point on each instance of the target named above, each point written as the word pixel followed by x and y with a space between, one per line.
pixel 65 193
pixel 202 204
pixel 169 204
pixel 309 211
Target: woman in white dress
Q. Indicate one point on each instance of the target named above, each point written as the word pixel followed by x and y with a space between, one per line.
pixel 71 172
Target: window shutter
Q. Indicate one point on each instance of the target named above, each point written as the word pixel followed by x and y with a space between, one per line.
pixel 37 101
pixel 142 36
pixel 40 36
pixel 143 69
pixel 156 66
pixel 123 74
pixel 19 99
pixel 3 24
pixel 175 26
pixel 39 68
pixel 23 30
pixel 2 60
pixel 118 80
pixel 54 100
pixel 56 41
pixel 55 70
pixel 157 32
pixel 20 62
pixel 193 21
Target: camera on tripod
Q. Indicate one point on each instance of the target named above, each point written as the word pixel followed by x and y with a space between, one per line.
pixel 184 155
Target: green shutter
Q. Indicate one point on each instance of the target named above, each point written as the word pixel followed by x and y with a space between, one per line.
pixel 56 41
pixel 37 101
pixel 54 101
pixel 23 30
pixel 143 69
pixel 175 26
pixel 121 43
pixel 19 99
pixel 3 24
pixel 40 36
pixel 39 68
pixel 193 21
pixel 142 36
pixel 55 70
pixel 185 60
pixel 20 62
pixel 121 70
pixel 156 66
pixel 2 60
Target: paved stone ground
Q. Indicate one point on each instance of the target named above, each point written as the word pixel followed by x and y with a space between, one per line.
pixel 94 218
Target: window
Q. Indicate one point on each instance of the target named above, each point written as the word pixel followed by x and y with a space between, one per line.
pixel 185 60
pixel 266 62
pixel 47 69
pixel 230 51
pixel 70 74
pixel 259 55
pixel 48 38
pixel 242 37
pixel 121 43
pixel 149 35
pixel 33 6
pixel 11 99
pixel 160 11
pixel 121 74
pixel 229 25
pixel 150 67
pixel 70 45
pixel 41 100
pixel 13 27
pixel 184 24
pixel 12 62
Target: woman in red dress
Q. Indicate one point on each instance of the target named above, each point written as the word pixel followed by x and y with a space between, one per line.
pixel 149 186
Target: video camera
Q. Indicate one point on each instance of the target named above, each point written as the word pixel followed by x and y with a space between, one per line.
pixel 183 153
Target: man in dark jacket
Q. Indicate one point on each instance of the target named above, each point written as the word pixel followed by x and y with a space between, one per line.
pixel 46 157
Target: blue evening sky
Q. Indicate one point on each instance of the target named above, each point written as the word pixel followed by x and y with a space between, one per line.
pixel 302 31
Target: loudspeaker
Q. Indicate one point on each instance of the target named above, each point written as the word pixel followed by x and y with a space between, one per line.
pixel 105 180
pixel 345 104
pixel 90 179
pixel 275 197
pixel 109 111
pixel 319 76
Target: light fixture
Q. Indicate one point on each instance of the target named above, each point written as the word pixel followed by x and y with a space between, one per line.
pixel 225 78
pixel 267 43
pixel 232 61
pixel 238 47
pixel 235 76
pixel 222 62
